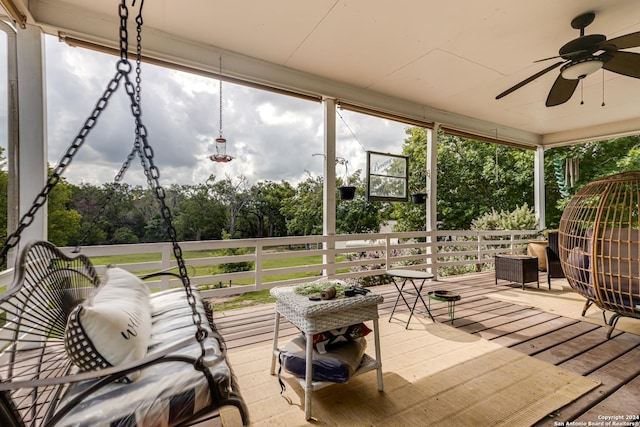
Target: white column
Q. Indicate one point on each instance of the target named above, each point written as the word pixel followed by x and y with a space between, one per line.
pixel 539 188
pixel 329 202
pixel 432 177
pixel 432 186
pixel 12 154
pixel 32 147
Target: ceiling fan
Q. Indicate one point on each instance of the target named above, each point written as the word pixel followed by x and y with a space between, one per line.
pixel 584 56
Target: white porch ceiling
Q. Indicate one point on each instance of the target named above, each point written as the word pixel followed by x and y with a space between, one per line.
pixel 440 61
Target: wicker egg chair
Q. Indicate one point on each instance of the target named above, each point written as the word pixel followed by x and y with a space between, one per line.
pixel 599 245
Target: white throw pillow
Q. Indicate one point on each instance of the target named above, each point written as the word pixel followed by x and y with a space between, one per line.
pixel 112 327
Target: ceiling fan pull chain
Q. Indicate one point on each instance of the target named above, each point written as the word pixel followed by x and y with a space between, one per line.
pixel 581 91
pixel 603 87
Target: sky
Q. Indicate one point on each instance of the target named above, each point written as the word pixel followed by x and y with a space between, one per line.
pixel 271 136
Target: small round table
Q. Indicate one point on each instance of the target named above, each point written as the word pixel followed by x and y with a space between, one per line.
pixel 449 297
pixel 409 276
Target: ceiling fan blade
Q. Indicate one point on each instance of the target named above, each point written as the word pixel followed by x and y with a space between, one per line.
pixel 529 80
pixel 626 41
pixel 561 91
pixel 566 55
pixel 625 63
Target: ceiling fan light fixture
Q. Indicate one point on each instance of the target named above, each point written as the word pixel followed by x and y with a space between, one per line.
pixel 582 68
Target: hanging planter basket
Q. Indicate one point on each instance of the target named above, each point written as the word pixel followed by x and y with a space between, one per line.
pixel 419 198
pixel 347 192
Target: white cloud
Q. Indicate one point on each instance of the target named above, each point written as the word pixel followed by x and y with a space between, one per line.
pixel 271 136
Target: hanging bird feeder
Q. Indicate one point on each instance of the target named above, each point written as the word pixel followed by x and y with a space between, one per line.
pixel 221 151
pixel 221 155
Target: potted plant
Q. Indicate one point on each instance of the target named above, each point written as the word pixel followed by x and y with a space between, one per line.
pixel 347 190
pixel 418 181
pixel 419 197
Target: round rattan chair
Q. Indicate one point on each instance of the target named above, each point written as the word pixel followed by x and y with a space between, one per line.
pixel 599 245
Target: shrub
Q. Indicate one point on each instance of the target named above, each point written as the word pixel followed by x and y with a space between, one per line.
pixel 521 218
pixel 232 267
pixel 379 279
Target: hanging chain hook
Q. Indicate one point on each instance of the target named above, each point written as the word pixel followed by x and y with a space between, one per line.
pixel 220 92
pixel 153 177
pixel 136 146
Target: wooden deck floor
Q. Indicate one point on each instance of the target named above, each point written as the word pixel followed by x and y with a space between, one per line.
pixel 572 344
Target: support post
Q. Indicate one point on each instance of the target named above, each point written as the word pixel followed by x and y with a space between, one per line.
pixel 329 190
pixel 432 186
pixel 31 158
pixel 13 135
pixel 539 188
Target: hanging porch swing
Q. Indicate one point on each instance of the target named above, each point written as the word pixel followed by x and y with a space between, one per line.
pixel 77 349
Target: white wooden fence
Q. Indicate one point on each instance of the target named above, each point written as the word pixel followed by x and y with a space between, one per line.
pixel 342 257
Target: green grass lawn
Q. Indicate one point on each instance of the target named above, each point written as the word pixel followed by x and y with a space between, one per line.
pixel 244 300
pixel 133 258
pixel 248 299
pixel 205 270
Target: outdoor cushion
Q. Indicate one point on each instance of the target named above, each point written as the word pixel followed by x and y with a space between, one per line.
pixel 336 365
pixel 113 326
pixel 164 393
pixel 325 341
pixel 620 263
pixel 578 268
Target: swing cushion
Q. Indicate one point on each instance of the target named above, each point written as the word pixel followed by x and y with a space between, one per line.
pixel 112 327
pixel 166 393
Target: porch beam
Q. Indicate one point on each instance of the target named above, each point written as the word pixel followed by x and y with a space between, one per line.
pixel 98 29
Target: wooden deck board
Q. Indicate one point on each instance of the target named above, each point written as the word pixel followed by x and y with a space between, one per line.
pixel 624 404
pixel 552 339
pixel 573 344
pixel 606 352
pixel 515 325
pixel 526 335
pixel 613 377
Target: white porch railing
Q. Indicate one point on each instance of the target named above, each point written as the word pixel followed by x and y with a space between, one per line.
pixel 340 257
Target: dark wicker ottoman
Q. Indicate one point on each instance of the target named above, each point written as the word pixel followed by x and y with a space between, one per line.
pixel 517 268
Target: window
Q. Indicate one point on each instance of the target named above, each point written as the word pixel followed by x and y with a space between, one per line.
pixel 387 177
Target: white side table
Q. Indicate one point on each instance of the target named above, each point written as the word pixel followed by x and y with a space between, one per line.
pixel 312 317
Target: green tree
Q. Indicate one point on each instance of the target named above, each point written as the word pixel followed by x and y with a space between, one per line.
pixel 124 236
pixel 304 210
pixel 589 161
pixel 86 201
pixel 473 178
pixel 234 195
pixel 263 211
pixel 106 209
pixel 199 213
pixel 358 215
pixel 631 161
pixel 63 226
pixel 156 230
